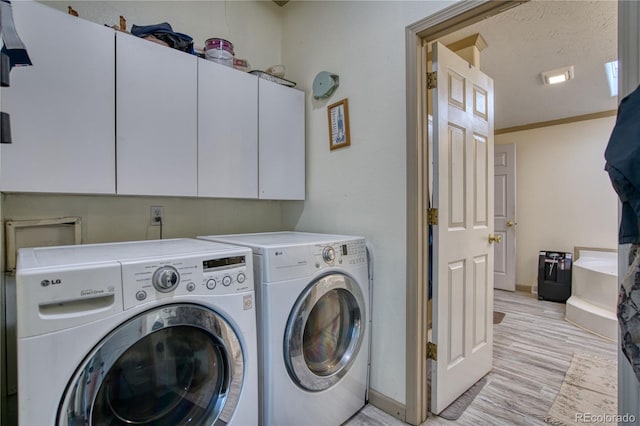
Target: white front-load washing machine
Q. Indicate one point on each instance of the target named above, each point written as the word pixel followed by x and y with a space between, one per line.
pixel 158 333
pixel 313 325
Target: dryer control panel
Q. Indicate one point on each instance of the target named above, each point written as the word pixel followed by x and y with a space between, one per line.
pixel 343 253
pixel 297 261
pixel 149 281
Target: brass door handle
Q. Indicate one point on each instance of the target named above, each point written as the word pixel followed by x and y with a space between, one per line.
pixel 511 223
pixel 495 239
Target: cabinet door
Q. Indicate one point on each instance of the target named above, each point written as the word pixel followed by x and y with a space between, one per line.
pixel 156 101
pixel 227 132
pixel 281 142
pixel 62 107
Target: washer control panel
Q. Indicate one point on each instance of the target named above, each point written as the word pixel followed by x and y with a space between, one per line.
pixel 149 281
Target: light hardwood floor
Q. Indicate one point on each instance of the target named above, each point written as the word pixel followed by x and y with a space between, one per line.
pixel 533 347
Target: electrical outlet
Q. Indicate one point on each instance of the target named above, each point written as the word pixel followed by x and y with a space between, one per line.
pixel 157 215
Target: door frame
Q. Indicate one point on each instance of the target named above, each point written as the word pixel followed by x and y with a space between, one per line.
pixel 448 20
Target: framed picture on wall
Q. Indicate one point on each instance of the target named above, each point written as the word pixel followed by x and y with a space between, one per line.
pixel 338 115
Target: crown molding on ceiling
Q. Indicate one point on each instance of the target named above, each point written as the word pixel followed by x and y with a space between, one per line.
pixel 550 123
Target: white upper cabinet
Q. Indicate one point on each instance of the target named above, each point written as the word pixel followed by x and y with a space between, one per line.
pixel 227 132
pixel 105 112
pixel 281 135
pixel 156 119
pixel 62 108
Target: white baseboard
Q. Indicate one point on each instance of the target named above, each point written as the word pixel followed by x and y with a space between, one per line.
pixel 386 404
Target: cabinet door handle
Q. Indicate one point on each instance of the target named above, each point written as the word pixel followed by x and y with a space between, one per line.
pixel 5 68
pixel 5 128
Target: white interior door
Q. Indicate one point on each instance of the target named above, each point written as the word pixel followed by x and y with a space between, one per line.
pixel 504 261
pixel 463 255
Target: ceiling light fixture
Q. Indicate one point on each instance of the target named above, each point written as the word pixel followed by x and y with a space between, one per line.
pixel 611 68
pixel 559 75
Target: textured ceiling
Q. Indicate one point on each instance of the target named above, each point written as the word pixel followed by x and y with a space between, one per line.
pixel 540 36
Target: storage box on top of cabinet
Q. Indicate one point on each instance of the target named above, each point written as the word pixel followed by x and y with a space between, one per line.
pixel 62 108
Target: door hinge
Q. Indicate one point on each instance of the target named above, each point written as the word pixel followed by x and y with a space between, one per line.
pixel 432 216
pixel 432 80
pixel 432 351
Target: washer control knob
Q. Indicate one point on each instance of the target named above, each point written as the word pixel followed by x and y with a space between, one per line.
pixel 329 254
pixel 191 287
pixel 226 281
pixel 211 284
pixel 141 295
pixel 241 277
pixel 166 279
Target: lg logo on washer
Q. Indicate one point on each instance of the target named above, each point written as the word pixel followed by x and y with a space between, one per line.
pixel 46 283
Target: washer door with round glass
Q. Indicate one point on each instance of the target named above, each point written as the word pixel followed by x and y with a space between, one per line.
pixel 173 365
pixel 324 332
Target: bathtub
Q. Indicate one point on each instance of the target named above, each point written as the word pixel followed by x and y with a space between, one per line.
pixel 594 292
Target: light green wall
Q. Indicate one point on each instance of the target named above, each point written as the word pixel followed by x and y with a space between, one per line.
pixel 111 218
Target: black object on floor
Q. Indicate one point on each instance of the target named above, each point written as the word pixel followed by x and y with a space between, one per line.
pixel 457 407
pixel 554 276
pixel 497 317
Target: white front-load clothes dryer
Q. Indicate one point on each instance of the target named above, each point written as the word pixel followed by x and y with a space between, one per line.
pixel 313 325
pixel 155 333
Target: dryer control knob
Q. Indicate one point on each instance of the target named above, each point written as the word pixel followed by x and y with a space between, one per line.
pixel 241 277
pixel 329 254
pixel 166 279
pixel 226 281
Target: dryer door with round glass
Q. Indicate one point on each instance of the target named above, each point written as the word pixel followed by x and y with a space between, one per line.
pixel 324 332
pixel 173 365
